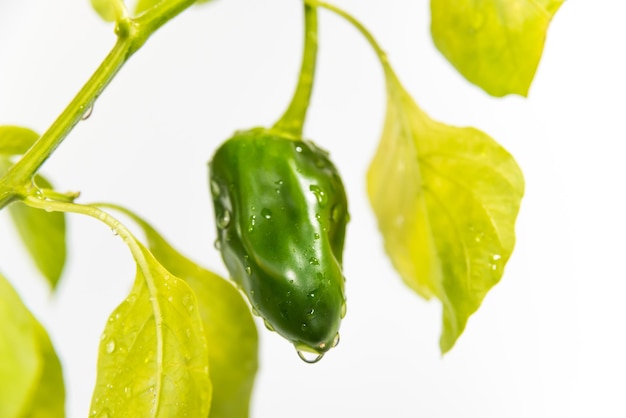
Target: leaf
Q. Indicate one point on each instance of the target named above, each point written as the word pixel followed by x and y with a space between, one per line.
pixel 495 44
pixel 228 325
pixel 15 140
pixel 109 10
pixel 43 234
pixel 31 381
pixel 153 358
pixel 446 199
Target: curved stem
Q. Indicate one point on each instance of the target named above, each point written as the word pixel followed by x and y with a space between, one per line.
pixel 292 120
pixel 97 213
pixel 382 56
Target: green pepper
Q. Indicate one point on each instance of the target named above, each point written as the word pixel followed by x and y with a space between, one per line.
pixel 281 215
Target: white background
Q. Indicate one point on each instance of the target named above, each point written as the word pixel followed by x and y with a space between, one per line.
pixel 549 340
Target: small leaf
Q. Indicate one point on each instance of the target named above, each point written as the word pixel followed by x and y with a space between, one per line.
pixel 446 199
pixel 109 10
pixel 43 234
pixel 153 357
pixel 15 140
pixel 31 381
pixel 228 326
pixel 495 44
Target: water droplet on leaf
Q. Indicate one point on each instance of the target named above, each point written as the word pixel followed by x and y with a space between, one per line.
pixel 266 213
pixel 110 346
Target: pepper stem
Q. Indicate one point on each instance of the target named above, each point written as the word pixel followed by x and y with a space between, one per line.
pixel 293 119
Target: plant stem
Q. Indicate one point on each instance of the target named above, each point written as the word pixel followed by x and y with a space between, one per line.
pixel 132 34
pixel 292 120
pixel 382 56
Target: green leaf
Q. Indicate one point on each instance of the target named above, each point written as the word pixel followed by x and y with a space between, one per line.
pixel 43 234
pixel 15 140
pixel 228 325
pixel 153 356
pixel 446 199
pixel 495 44
pixel 31 381
pixel 109 10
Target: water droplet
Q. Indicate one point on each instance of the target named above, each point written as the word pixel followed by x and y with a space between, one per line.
pixel 268 325
pixel 311 313
pixel 252 223
pixel 298 148
pixel 321 197
pixel 344 309
pixel 279 182
pixel 316 236
pixel 479 236
pixel 114 232
pixel 308 357
pixel 336 213
pixel 218 244
pixel 318 216
pixel 215 189
pixel 104 413
pixel 110 346
pixel 314 261
pixel 128 392
pixel 277 191
pixel 303 327
pixel 255 312
pixel 103 336
pixel 87 113
pixel 311 295
pixel 188 302
pixel 266 213
pixel 496 257
pixel 248 270
pixel 131 299
pixel 335 341
pixel 224 220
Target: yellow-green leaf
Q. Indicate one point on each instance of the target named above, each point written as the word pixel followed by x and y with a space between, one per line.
pixel 43 234
pixel 446 199
pixel 153 356
pixel 228 325
pixel 15 140
pixel 495 44
pixel 31 381
pixel 109 10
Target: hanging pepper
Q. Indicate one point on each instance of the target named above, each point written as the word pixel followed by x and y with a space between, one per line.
pixel 281 215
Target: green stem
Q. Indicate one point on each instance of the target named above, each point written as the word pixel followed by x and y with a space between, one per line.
pixel 292 120
pixel 132 34
pixel 382 56
pixel 97 213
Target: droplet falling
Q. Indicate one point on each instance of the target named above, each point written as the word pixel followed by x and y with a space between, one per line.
pixel 309 358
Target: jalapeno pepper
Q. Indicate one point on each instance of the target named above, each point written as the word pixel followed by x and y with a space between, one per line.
pixel 281 215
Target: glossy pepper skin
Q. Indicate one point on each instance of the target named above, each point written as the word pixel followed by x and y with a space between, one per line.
pixel 281 215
